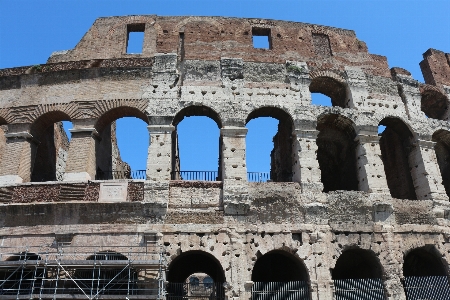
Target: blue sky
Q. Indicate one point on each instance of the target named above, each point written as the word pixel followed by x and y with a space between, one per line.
pixel 400 29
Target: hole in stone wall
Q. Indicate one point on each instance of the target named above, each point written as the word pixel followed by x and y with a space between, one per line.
pixel 279 266
pixel 357 264
pixel 396 146
pixel 320 99
pixel 262 125
pixel 122 150
pixel 196 148
pixel 11 277
pixel 423 261
pixel 337 153
pixel 442 149
pixel 49 155
pixel 330 87
pixel 135 38
pixel 261 38
pixel 259 146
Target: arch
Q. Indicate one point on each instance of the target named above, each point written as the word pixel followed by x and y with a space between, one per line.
pixel 396 144
pixel 424 261
pixel 24 280
pixel 197 110
pixel 337 153
pixel 116 113
pixel 442 149
pixel 331 85
pixel 53 143
pixel 195 261
pixel 110 279
pixel 433 102
pixel 279 266
pixel 281 156
pixel 357 263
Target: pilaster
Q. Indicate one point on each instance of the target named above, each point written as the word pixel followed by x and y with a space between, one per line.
pixel 159 158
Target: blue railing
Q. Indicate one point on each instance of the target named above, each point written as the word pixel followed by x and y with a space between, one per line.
pixel 196 175
pixel 258 176
pixel 109 175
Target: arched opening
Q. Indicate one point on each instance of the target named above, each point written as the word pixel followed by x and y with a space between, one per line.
pixel 20 278
pixel 358 275
pixel 442 149
pixel 49 153
pixel 184 273
pixel 196 144
pixel 280 153
pixel 396 146
pixel 281 274
pixel 434 104
pixel 122 144
pixel 425 274
pixel 331 88
pixel 108 274
pixel 337 153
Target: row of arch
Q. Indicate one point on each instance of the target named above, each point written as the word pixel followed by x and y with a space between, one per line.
pixel 336 147
pixel 274 266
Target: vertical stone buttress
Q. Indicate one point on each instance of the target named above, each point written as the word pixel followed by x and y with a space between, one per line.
pixel 159 159
pixel 234 170
pixel 306 168
pixel 81 160
pixel 370 168
pixel 17 161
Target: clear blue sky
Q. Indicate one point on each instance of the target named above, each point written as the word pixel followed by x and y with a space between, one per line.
pixel 399 29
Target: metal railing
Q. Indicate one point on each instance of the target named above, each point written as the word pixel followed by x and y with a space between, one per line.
pixel 293 290
pixel 258 176
pixel 427 287
pixel 364 289
pixel 195 175
pixel 110 175
pixel 183 291
pixel 83 272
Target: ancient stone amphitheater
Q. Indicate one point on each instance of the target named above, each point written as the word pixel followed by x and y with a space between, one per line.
pixel 348 213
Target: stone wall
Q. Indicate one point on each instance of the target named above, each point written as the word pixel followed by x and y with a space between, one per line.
pixel 339 189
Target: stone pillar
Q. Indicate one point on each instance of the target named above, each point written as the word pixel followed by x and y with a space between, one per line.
pixel 425 172
pixel 370 167
pixel 234 170
pixel 159 159
pixel 357 87
pixel 305 167
pixel 17 162
pixel 233 163
pixel 81 161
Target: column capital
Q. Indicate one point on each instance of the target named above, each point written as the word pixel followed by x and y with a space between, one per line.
pixel 21 135
pixel 87 130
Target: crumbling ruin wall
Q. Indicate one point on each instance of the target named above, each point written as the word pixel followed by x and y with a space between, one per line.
pixel 339 189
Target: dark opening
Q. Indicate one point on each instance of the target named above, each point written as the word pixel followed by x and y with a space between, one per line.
pixel 424 261
pixel 434 104
pixel 196 145
pixel 442 149
pixel 332 88
pixel 281 155
pixel 337 153
pixel 135 38
pixel 49 153
pixel 279 266
pixel 261 38
pixel 21 281
pixel 396 146
pixel 357 264
pixel 191 262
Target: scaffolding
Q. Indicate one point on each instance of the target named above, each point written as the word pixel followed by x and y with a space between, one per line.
pixel 75 272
